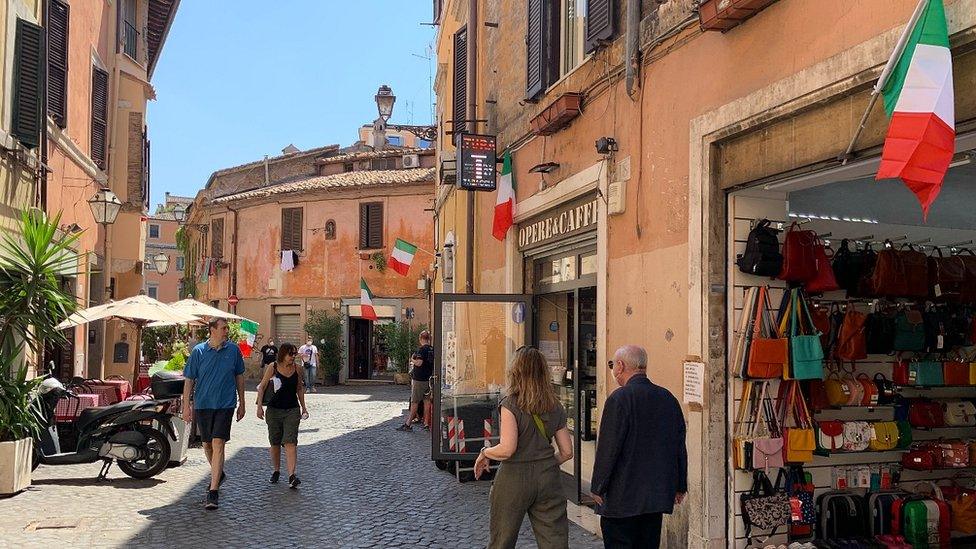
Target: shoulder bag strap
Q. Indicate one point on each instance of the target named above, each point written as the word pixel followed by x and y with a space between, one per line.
pixel 740 417
pixel 758 322
pixel 540 426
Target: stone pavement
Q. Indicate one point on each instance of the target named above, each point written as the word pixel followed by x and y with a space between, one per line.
pixel 364 485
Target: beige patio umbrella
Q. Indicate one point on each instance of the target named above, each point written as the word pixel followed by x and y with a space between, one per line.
pixel 199 310
pixel 139 310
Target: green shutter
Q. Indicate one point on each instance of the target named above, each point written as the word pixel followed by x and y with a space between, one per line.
pixel 28 84
pixel 57 62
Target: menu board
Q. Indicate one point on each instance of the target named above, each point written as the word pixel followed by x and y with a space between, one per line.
pixel 476 162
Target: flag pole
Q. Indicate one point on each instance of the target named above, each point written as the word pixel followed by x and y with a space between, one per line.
pixel 883 79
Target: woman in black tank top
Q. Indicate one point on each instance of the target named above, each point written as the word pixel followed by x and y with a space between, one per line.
pixel 286 409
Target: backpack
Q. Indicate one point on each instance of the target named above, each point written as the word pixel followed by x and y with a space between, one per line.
pixel 762 256
pixel 842 515
pixel 880 507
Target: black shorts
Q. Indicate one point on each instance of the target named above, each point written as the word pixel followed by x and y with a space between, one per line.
pixel 213 424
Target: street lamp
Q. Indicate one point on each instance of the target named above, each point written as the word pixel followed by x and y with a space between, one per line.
pixel 105 206
pixel 161 261
pixel 384 102
pixel 384 106
pixel 179 213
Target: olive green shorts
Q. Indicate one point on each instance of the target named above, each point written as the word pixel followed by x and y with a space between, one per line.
pixel 282 425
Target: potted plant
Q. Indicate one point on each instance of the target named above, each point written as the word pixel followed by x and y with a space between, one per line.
pixel 401 342
pixel 32 304
pixel 325 329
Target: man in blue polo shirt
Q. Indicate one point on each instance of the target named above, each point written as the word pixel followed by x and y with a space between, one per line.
pixel 215 378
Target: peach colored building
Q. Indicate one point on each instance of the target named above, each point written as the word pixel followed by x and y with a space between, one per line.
pixel 161 239
pixel 340 211
pixel 713 130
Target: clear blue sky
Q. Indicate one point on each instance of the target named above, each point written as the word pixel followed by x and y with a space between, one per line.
pixel 238 79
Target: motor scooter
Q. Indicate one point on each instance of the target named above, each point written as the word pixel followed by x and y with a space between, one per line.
pixel 125 433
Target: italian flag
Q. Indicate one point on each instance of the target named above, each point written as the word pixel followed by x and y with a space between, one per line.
pixel 918 98
pixel 250 329
pixel 402 256
pixel 366 301
pixel 505 202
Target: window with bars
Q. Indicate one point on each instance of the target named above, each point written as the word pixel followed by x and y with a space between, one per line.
pixel 370 225
pixel 291 229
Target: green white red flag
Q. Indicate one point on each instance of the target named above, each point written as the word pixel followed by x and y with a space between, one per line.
pixel 402 256
pixel 366 309
pixel 505 202
pixel 919 99
pixel 250 329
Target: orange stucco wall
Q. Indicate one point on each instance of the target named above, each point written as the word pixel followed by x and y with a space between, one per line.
pixel 168 285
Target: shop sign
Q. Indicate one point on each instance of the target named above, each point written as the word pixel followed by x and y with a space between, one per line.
pixel 561 222
pixel 476 162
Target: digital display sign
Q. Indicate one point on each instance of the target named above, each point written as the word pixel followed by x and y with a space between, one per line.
pixel 476 162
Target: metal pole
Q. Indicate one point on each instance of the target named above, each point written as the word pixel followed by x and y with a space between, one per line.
pixel 472 116
pixel 885 74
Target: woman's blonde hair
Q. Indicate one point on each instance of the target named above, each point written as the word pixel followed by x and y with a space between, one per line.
pixel 529 384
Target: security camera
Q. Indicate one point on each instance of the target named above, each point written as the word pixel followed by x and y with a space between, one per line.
pixel 606 145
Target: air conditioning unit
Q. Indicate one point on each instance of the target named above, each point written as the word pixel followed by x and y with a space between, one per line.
pixel 411 161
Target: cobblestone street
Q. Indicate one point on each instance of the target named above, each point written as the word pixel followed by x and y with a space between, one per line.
pixel 364 485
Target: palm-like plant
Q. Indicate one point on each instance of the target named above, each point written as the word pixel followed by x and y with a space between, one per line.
pixel 32 302
pixel 20 411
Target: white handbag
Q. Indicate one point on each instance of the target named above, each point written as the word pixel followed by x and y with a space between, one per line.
pixel 959 413
pixel 857 436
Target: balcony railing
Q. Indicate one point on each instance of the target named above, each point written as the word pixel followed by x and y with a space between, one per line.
pixel 131 37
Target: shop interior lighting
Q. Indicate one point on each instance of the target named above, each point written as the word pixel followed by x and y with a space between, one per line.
pixel 834 218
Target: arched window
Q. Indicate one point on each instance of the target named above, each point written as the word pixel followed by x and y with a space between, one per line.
pixel 330 230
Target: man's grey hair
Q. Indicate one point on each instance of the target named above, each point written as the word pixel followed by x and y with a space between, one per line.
pixel 634 355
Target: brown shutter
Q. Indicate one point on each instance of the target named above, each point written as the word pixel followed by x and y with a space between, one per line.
pixel 599 23
pixel 460 79
pixel 28 78
pixel 145 170
pixel 57 64
pixel 535 80
pixel 376 225
pixel 217 240
pixel 291 229
pixel 99 116
pixel 363 226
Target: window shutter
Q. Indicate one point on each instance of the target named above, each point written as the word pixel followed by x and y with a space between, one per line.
pixel 376 225
pixel 534 54
pixel 599 23
pixel 291 229
pixel 27 83
pixel 460 80
pixel 99 116
pixel 57 66
pixel 363 226
pixel 217 242
pixel 145 169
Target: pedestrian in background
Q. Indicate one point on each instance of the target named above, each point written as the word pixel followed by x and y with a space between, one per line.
pixel 310 358
pixel 423 368
pixel 641 466
pixel 269 354
pixel 213 372
pixel 283 415
pixel 528 479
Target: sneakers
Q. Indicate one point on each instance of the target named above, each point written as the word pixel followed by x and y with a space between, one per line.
pixel 212 498
pixel 293 482
pixel 223 477
pixel 405 428
pixel 275 476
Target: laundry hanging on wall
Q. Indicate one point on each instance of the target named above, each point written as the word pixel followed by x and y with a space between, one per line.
pixel 289 260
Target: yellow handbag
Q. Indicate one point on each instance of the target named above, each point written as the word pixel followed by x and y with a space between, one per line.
pixel 838 392
pixel 799 441
pixel 740 434
pixel 885 436
pixel 972 373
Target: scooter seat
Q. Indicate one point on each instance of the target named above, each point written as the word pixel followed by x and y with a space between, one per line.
pixel 91 415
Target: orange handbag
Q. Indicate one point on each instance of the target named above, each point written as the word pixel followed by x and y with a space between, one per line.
pixel 870 390
pixel 852 342
pixel 768 354
pixel 955 373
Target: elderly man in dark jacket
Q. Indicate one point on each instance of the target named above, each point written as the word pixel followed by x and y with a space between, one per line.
pixel 641 466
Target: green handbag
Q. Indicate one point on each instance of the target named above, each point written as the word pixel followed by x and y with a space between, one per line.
pixel 904 435
pixel 928 373
pixel 806 350
pixel 909 331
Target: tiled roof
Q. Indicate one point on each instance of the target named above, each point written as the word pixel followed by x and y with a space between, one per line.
pixel 385 153
pixel 317 150
pixel 363 178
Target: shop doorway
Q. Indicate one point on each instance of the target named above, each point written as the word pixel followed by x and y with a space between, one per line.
pixel 360 355
pixel 565 332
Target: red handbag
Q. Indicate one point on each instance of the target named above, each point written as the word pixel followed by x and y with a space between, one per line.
pixel 951 453
pixel 919 459
pixel 955 373
pixel 870 397
pixel 799 258
pixel 818 395
pixel 899 373
pixel 824 281
pixel 925 413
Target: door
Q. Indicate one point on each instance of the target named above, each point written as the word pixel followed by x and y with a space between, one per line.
pixel 475 337
pixel 360 357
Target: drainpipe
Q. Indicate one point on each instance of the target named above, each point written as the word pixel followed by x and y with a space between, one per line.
pixel 233 258
pixel 632 51
pixel 471 116
pixel 267 173
pixel 45 57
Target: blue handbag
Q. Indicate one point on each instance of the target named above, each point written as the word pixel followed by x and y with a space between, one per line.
pixel 928 373
pixel 806 350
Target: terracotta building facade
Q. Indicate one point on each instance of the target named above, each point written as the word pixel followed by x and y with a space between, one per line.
pixel 714 121
pixel 295 233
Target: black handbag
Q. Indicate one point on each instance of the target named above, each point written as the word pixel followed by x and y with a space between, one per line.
pixel 766 507
pixel 847 270
pixel 880 333
pixel 886 389
pixel 762 256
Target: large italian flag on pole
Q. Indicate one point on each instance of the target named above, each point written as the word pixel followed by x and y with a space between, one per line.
pixel 402 256
pixel 918 96
pixel 250 329
pixel 366 301
pixel 505 202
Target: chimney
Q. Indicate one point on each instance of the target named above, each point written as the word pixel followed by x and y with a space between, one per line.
pixel 290 149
